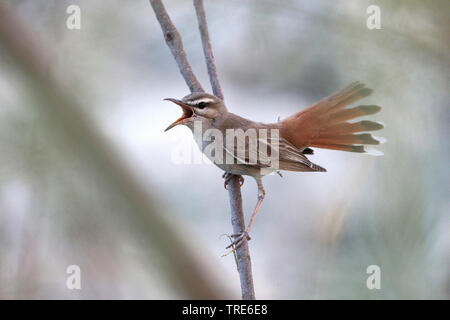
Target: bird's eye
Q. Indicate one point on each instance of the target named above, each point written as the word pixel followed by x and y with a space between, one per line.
pixel 201 105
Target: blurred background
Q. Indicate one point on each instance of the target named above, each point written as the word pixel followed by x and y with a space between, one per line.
pixel 89 178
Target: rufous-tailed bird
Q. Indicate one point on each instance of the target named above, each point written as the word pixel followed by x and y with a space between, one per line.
pixel 323 125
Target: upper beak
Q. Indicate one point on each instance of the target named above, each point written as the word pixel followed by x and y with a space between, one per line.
pixel 188 112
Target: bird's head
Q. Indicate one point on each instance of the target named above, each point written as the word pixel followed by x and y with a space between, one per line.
pixel 198 105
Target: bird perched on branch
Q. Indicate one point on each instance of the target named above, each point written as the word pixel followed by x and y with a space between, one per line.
pixel 322 125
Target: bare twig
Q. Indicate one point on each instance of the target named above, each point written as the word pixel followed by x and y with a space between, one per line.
pixel 234 189
pixel 175 44
pixel 173 40
pixel 207 49
pixel 243 253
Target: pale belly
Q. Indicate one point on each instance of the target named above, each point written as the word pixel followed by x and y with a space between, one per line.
pixel 240 169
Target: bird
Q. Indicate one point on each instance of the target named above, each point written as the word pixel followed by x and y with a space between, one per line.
pixel 325 124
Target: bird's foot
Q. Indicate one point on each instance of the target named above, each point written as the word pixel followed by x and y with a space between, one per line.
pixel 228 176
pixel 238 239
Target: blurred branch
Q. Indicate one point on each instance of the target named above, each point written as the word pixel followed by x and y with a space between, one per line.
pixel 234 188
pixel 32 57
pixel 237 215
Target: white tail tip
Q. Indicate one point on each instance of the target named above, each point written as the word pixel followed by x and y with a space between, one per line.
pixel 380 139
pixel 373 152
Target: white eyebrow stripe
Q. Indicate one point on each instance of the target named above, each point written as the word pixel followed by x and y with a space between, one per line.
pixel 205 100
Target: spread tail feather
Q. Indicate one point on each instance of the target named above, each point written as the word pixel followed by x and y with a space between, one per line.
pixel 324 124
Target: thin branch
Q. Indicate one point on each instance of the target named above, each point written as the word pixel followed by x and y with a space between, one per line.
pixel 237 214
pixel 173 40
pixel 244 265
pixel 207 49
pixel 234 189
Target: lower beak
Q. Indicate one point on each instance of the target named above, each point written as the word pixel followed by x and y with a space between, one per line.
pixel 188 112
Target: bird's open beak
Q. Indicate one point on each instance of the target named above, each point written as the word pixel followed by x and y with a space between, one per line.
pixel 188 112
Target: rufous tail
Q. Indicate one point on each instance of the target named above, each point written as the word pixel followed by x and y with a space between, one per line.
pixel 325 123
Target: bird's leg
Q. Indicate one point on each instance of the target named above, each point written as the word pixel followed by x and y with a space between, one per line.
pixel 239 237
pixel 227 176
pixel 261 195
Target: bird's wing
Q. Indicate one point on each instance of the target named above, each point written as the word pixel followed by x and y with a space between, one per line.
pixel 250 153
pixel 271 152
pixel 293 159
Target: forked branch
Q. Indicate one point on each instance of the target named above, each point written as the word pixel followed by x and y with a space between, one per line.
pixel 175 44
pixel 234 188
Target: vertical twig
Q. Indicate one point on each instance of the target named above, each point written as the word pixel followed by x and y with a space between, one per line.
pixel 207 49
pixel 174 42
pixel 234 188
pixel 244 264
